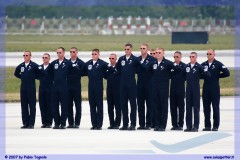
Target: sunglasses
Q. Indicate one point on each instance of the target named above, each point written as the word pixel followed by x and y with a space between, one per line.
pixel 72 51
pixel 209 53
pixel 142 48
pixel 59 52
pixel 191 56
pixel 175 56
pixel 94 54
pixel 25 55
pixel 44 57
pixel 111 58
pixel 127 49
pixel 152 53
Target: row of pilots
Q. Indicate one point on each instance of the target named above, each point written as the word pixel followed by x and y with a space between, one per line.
pixel 60 83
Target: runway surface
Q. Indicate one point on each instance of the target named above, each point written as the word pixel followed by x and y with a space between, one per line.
pixel 84 141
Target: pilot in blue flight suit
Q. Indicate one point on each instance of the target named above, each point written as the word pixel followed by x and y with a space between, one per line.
pixel 193 72
pixel 177 94
pixel 113 93
pixel 161 68
pixel 95 69
pixel 27 72
pixel 45 89
pixel 211 90
pixel 144 89
pixel 127 66
pixel 74 89
pixel 60 69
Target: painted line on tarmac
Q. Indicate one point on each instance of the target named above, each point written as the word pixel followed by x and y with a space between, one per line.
pixel 190 143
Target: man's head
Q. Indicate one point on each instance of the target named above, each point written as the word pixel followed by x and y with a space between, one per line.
pixel 60 53
pixel 27 56
pixel 128 49
pixel 113 59
pixel 210 55
pixel 159 53
pixel 193 57
pixel 46 58
pixel 144 49
pixel 153 52
pixel 95 54
pixel 73 53
pixel 177 57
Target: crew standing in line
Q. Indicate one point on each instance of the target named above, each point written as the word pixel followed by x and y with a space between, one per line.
pixel 177 94
pixel 211 90
pixel 27 72
pixel 193 72
pixel 74 89
pixel 95 70
pixel 144 89
pixel 45 89
pixel 127 65
pixel 161 75
pixel 60 68
pixel 113 93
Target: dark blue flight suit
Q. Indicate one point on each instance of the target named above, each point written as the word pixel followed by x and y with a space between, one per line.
pixel 44 95
pixel 27 91
pixel 60 91
pixel 95 75
pixel 177 95
pixel 144 92
pixel 193 94
pixel 74 92
pixel 211 92
pixel 128 88
pixel 161 77
pixel 113 96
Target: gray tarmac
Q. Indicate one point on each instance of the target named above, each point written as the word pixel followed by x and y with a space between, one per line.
pixel 114 142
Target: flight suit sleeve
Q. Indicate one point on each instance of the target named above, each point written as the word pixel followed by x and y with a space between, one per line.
pixel 184 73
pixel 37 71
pixel 224 72
pixel 85 69
pixel 118 65
pixel 50 69
pixel 204 71
pixel 81 67
pixel 17 72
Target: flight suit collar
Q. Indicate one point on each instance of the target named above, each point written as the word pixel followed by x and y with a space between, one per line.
pixel 212 65
pixel 130 58
pixel 42 66
pixel 162 62
pixel 63 62
pixel 29 66
pixel 76 61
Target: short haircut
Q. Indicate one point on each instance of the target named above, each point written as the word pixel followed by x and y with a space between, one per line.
pixel 114 54
pixel 63 49
pixel 194 53
pixel 145 44
pixel 212 50
pixel 47 54
pixel 95 50
pixel 74 48
pixel 28 52
pixel 128 45
pixel 152 50
pixel 160 48
pixel 178 52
